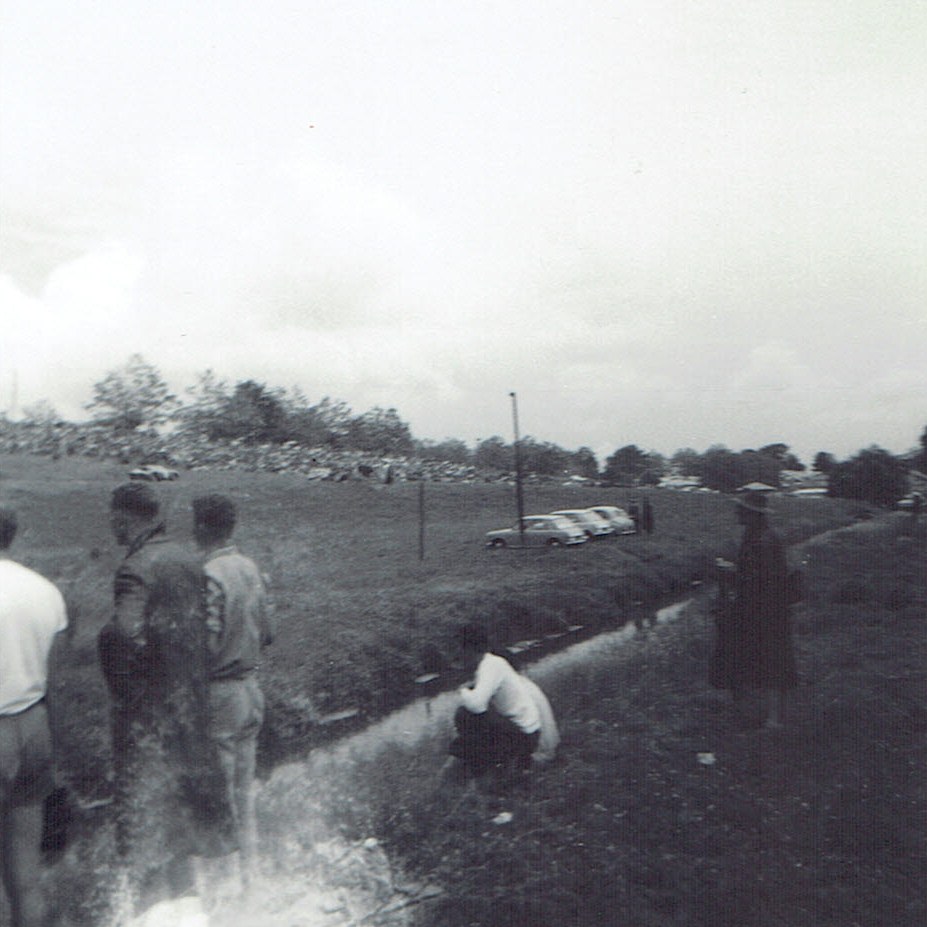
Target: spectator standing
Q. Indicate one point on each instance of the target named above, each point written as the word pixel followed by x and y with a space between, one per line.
pixel 647 517
pixel 32 614
pixel 917 503
pixel 498 722
pixel 634 511
pixel 239 627
pixel 170 799
pixel 754 640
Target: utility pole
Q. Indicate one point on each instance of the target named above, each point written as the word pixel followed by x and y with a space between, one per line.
pixel 421 518
pixel 518 490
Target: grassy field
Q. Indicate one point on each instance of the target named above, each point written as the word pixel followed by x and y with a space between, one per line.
pixel 666 806
pixel 360 615
pixel 820 824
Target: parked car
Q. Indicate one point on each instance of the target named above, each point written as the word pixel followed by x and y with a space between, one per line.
pixel 592 523
pixel 153 473
pixel 617 517
pixel 540 531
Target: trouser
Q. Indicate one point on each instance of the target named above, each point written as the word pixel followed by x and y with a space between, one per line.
pixel 489 739
pixel 236 713
pixel 26 781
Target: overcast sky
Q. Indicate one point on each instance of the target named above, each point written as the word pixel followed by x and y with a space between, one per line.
pixel 670 223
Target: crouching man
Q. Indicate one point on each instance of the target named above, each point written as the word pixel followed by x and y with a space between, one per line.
pixel 498 724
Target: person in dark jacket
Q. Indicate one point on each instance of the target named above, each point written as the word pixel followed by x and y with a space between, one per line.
pixel 170 796
pixel 647 516
pixel 754 640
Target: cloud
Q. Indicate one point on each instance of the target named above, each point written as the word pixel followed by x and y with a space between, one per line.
pixel 662 227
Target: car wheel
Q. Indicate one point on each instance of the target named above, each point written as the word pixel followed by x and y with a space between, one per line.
pixel 553 542
pixel 497 543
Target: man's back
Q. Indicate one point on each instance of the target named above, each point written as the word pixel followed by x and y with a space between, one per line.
pixel 237 613
pixel 32 612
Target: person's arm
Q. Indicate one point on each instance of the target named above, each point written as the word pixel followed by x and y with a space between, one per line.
pixel 215 614
pixel 60 647
pixel 131 600
pixel 476 698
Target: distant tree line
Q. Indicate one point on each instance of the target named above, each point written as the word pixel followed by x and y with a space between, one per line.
pixel 135 397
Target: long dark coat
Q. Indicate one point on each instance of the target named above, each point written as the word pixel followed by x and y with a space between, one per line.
pixel 754 635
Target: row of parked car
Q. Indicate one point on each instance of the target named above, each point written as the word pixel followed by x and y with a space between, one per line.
pixel 564 527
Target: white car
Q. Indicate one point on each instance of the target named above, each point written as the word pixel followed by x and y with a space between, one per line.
pixel 592 523
pixel 540 531
pixel 153 473
pixel 617 517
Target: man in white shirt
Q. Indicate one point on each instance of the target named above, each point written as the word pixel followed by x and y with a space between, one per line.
pixel 498 723
pixel 32 613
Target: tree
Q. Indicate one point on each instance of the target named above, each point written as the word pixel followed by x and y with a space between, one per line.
pixel 824 462
pixel 380 431
pixel 629 465
pixel 655 471
pixel 781 453
pixel 324 424
pixel 725 470
pixel 204 411
pixel 718 469
pixel 584 463
pixel 132 396
pixel 919 462
pixel 253 413
pixel 452 450
pixel 494 454
pixel 41 413
pixel 686 461
pixel 543 457
pixel 873 475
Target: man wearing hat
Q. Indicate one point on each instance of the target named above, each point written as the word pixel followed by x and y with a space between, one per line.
pixel 754 643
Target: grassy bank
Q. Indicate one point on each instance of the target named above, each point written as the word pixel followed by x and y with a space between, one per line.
pixel 360 614
pixel 667 807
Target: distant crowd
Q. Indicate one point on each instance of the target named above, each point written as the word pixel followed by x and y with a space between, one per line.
pixel 180 449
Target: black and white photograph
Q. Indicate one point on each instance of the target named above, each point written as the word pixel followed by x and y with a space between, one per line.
pixel 463 464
